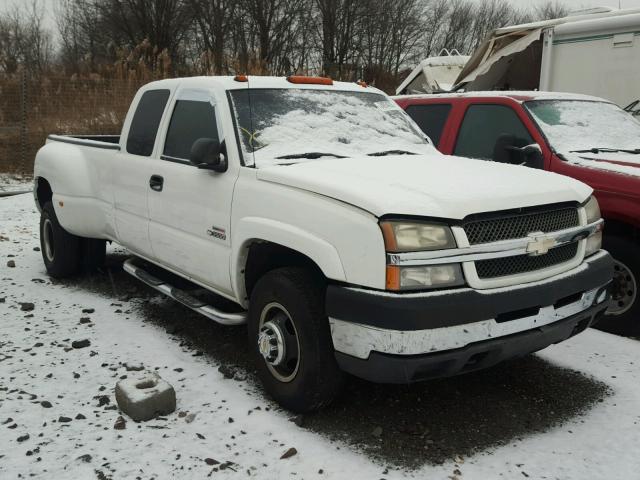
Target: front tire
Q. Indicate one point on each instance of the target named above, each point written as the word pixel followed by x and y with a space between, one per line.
pixel 60 249
pixel 290 340
pixel 623 315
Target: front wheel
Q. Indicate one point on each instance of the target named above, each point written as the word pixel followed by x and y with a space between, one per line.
pixel 623 315
pixel 290 340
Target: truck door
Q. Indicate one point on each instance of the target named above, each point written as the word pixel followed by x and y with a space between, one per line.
pixel 190 215
pixel 131 171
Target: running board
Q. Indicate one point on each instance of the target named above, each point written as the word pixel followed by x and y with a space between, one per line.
pixel 184 297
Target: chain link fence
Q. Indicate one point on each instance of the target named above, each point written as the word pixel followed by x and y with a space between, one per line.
pixel 32 108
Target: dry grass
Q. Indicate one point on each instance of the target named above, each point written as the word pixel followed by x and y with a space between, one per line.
pixel 59 105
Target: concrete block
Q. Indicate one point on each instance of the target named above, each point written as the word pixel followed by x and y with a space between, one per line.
pixel 145 396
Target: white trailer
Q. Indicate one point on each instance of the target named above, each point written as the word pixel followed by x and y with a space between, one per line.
pixel 434 74
pixel 594 52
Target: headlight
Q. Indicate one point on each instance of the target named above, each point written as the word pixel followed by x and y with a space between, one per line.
pixel 421 278
pixel 592 210
pixel 401 236
pixel 594 241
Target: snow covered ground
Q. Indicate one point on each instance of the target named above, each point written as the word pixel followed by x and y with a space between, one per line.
pixel 57 405
pixel 11 182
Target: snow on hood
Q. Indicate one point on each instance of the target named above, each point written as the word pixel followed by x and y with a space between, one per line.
pixel 616 162
pixel 427 185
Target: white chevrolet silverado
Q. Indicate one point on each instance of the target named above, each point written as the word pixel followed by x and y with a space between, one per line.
pixel 319 214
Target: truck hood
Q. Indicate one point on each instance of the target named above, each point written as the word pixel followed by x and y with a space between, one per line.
pixel 620 162
pixel 427 185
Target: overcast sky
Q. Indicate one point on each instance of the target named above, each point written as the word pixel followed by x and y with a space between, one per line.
pixel 573 4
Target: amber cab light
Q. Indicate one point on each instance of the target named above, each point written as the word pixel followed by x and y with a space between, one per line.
pixel 362 83
pixel 241 78
pixel 309 80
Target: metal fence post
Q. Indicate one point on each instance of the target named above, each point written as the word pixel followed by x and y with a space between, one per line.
pixel 23 119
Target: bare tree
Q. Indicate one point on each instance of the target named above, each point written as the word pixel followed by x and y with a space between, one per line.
pixel 345 39
pixel 550 10
pixel 24 40
pixel 215 20
pixel 339 29
pixel 162 23
pixel 271 27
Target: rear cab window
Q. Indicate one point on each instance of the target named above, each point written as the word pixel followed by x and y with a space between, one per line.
pixel 431 118
pixel 145 123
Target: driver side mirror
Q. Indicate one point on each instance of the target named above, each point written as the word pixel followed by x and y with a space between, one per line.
pixel 514 150
pixel 209 154
pixel 532 155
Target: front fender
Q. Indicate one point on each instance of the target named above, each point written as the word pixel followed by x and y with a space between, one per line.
pixel 251 229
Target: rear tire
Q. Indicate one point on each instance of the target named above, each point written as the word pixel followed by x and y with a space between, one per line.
pixel 623 316
pixel 94 252
pixel 61 250
pixel 290 340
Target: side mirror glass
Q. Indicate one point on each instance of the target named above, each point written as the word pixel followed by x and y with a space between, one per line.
pixel 209 154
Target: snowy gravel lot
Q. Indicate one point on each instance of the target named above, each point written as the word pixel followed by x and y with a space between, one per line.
pixel 570 412
pixel 10 182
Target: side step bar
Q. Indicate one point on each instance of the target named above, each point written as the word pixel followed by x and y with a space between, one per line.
pixel 184 297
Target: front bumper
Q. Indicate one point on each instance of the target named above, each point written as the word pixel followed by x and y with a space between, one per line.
pixel 395 338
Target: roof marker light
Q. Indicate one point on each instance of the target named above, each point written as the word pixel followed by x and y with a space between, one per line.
pixel 362 83
pixel 241 78
pixel 309 80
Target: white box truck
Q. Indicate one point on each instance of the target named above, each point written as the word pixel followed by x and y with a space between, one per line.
pixel 594 52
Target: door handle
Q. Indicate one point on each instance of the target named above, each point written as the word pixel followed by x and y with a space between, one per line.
pixel 156 182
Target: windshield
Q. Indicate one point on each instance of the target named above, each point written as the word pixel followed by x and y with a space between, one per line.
pixel 285 126
pixel 578 125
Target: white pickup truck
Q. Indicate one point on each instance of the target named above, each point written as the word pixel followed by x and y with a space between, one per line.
pixel 324 218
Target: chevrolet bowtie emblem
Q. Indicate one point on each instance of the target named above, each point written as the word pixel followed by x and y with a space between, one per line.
pixel 539 244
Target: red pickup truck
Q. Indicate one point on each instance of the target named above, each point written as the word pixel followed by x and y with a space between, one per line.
pixel 583 137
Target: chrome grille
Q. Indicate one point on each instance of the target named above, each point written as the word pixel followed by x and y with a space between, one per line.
pixel 503 267
pixel 520 225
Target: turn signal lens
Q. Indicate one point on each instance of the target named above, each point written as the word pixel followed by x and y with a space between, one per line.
pixel 393 277
pixel 309 80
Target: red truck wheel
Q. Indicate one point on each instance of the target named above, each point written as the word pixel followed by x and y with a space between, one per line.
pixel 623 316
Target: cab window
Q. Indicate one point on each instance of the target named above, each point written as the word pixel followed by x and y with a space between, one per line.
pixel 487 129
pixel 190 121
pixel 431 119
pixel 146 119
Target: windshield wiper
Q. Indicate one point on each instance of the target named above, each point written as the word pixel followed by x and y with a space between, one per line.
pixel 391 152
pixel 634 151
pixel 311 155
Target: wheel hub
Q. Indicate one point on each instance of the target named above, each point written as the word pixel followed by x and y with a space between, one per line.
pixel 271 343
pixel 278 342
pixel 624 291
pixel 48 240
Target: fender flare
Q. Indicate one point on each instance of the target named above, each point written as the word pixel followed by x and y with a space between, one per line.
pixel 252 229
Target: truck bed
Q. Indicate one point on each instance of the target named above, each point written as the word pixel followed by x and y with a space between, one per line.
pixel 109 142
